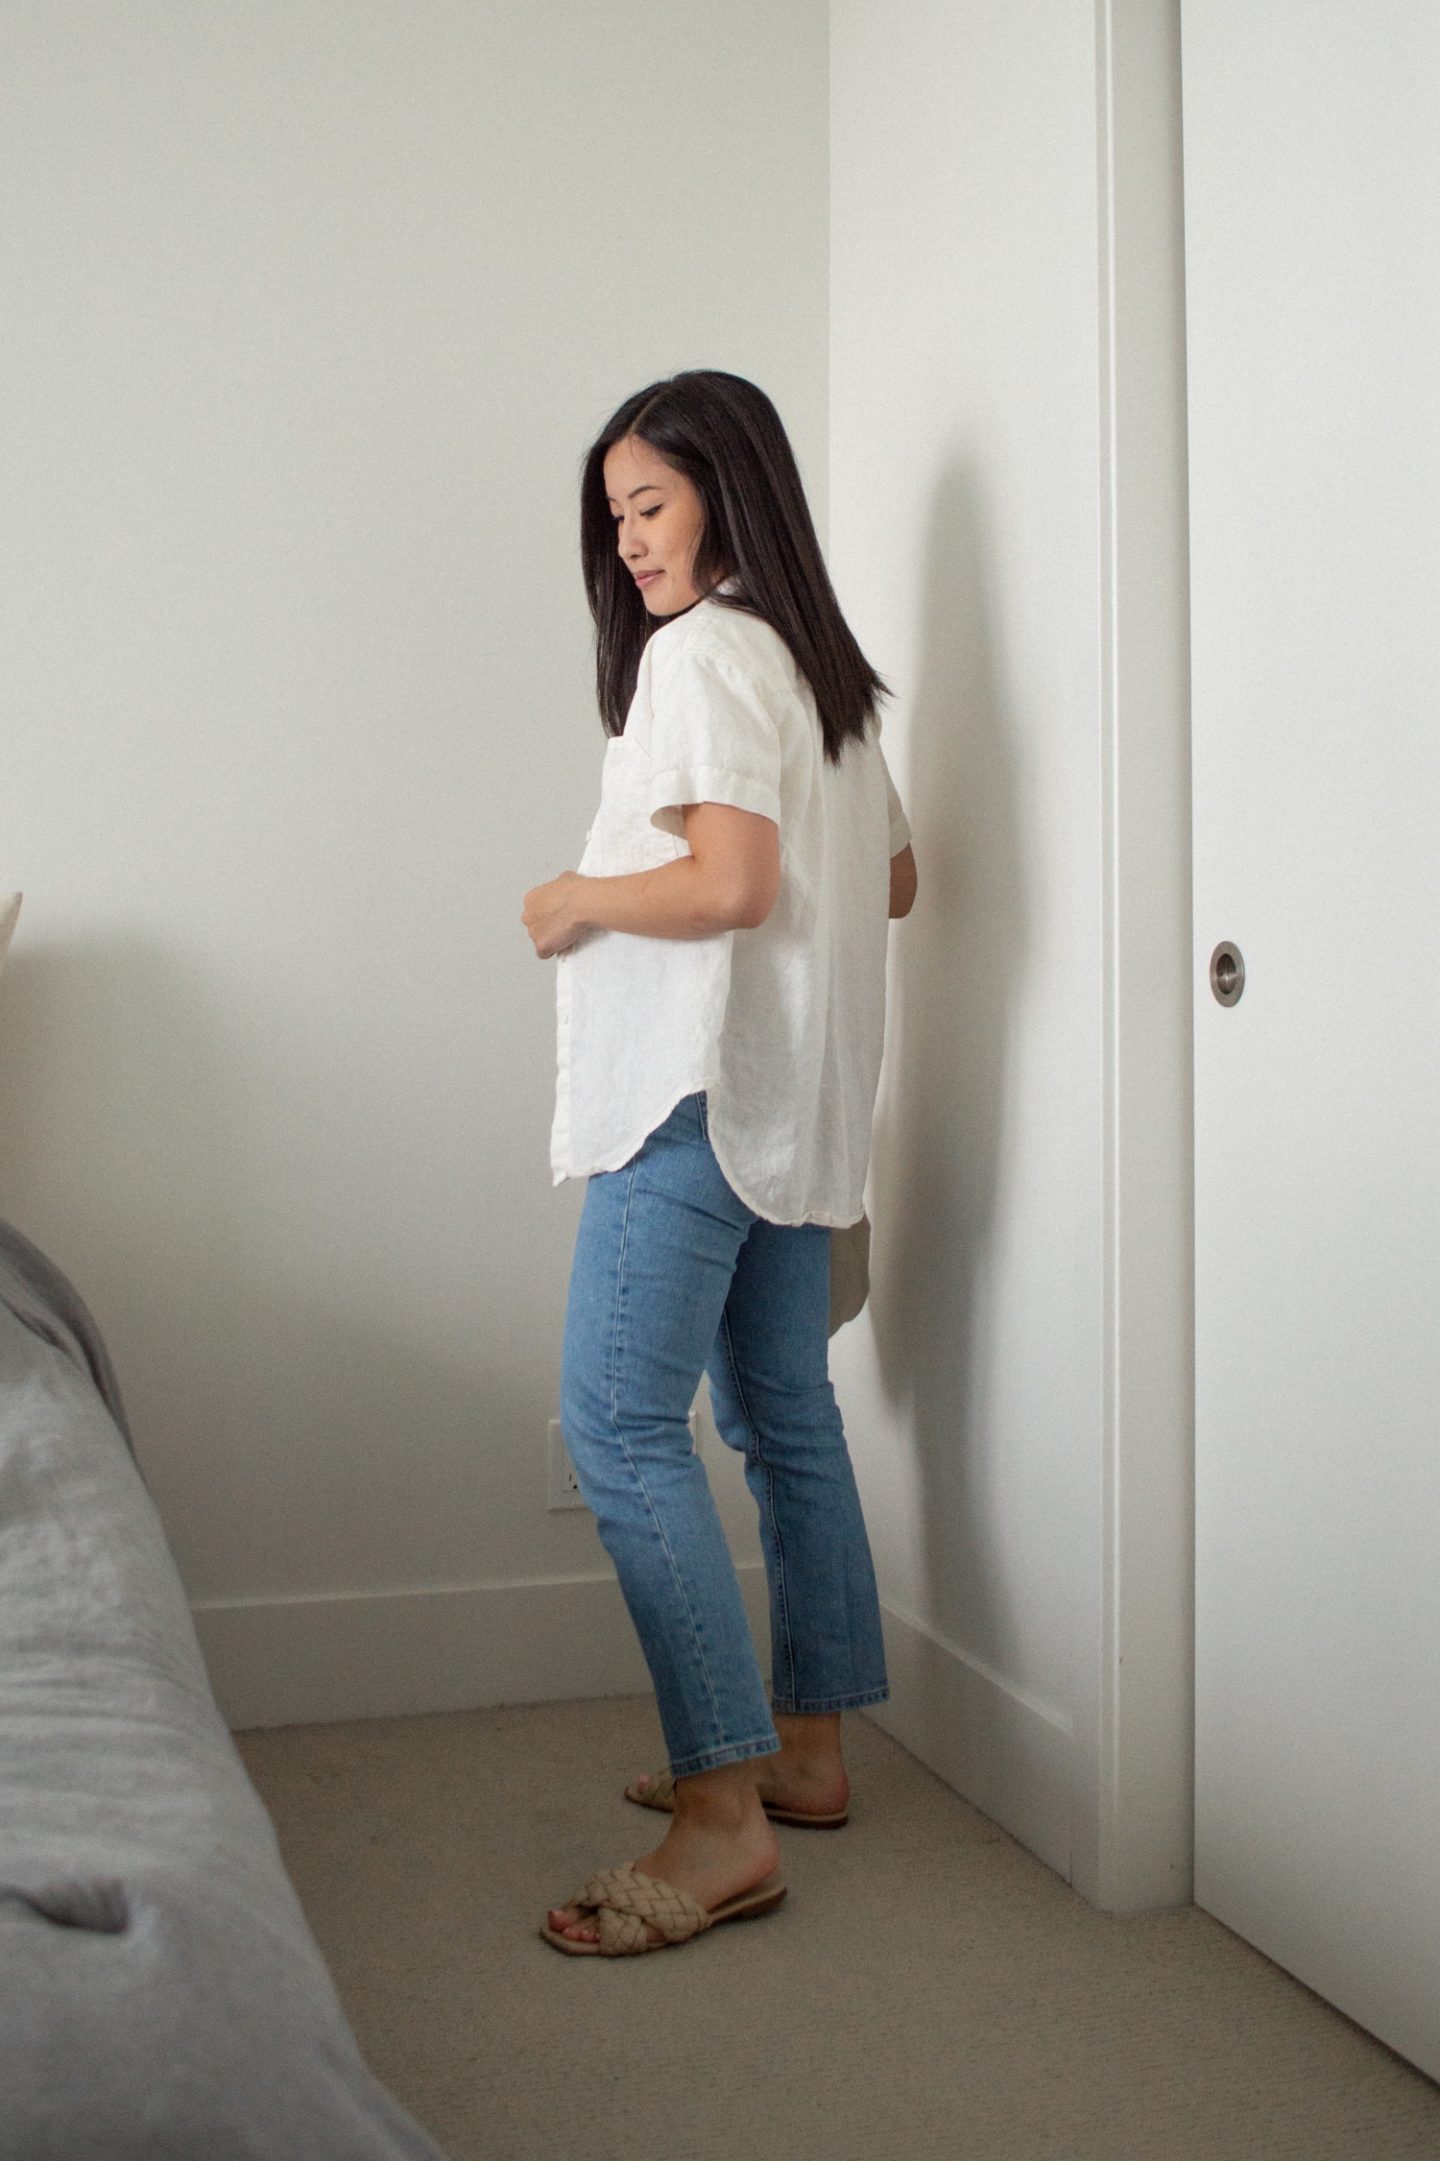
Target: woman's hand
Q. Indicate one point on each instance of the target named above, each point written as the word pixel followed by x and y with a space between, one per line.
pixel 551 914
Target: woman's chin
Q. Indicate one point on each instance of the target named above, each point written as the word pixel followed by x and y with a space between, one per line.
pixel 658 606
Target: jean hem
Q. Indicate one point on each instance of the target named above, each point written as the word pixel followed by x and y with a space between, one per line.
pixel 711 1759
pixel 798 1706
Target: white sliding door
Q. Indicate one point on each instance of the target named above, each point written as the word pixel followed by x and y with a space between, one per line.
pixel 1312 197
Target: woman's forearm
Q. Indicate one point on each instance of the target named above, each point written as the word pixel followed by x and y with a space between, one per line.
pixel 675 900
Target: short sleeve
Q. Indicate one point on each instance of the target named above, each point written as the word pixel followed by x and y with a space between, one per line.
pixel 713 739
pixel 899 823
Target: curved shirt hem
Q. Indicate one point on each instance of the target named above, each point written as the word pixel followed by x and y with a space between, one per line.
pixel 827 1222
pixel 593 1170
pixel 737 1185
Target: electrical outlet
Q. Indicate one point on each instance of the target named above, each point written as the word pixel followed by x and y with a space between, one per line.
pixel 564 1486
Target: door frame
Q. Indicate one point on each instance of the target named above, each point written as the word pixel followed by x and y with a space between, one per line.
pixel 1133 1825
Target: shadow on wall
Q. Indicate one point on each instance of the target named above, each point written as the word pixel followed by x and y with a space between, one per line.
pixel 941 1128
pixel 109 1100
pixel 307 1416
pixel 119 1157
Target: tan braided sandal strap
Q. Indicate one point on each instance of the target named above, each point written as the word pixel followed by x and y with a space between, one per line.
pixel 660 1793
pixel 625 1901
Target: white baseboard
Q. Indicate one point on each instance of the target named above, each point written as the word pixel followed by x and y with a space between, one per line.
pixel 298 1661
pixel 303 1661
pixel 1011 1757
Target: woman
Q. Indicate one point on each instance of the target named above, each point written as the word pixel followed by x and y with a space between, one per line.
pixel 720 994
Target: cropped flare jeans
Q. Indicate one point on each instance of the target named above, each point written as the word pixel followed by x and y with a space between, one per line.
pixel 674 1276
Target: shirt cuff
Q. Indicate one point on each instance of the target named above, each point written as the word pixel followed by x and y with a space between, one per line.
pixel 707 784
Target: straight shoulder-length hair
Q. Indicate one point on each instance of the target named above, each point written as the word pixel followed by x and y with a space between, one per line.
pixel 725 435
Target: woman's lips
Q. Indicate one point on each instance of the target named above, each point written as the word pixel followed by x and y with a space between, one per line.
pixel 648 578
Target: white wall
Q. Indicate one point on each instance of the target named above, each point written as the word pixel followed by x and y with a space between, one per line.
pixel 313 311
pixel 981 202
pixel 312 308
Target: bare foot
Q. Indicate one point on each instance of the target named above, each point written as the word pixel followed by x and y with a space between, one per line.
pixel 821 1788
pixel 715 1848
pixel 813 1782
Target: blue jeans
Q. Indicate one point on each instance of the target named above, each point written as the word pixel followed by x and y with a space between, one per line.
pixel 673 1276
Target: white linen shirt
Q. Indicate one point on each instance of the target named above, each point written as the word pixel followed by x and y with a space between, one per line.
pixel 781 1025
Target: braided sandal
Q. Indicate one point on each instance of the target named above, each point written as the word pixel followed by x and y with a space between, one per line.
pixel 624 1900
pixel 660 1793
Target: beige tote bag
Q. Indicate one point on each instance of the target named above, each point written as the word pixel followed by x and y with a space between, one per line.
pixel 849 1271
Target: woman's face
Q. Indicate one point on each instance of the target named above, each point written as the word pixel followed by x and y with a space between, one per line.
pixel 658 517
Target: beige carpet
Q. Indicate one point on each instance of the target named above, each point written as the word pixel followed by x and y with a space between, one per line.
pixel 928 1988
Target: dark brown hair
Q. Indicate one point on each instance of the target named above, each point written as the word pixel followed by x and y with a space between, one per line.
pixel 724 434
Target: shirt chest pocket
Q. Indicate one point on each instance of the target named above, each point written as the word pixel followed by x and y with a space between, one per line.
pixel 622 839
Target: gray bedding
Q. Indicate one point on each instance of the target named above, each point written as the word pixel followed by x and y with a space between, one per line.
pixel 160 1991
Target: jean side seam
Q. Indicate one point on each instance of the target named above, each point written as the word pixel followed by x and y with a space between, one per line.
pixel 716 1720
pixel 782 1591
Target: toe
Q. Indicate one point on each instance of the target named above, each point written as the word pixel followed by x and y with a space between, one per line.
pixel 566 1921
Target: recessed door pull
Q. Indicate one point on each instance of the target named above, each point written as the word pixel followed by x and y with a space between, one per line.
pixel 1227 974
